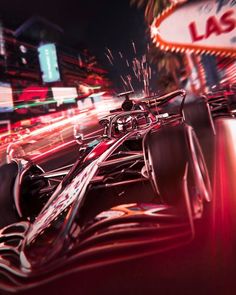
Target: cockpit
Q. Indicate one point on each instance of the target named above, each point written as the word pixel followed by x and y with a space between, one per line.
pixel 119 124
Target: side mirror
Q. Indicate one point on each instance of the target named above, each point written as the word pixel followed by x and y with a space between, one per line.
pixel 79 137
pixel 14 151
pixel 105 124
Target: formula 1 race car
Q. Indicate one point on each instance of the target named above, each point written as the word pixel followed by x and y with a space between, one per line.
pixel 135 189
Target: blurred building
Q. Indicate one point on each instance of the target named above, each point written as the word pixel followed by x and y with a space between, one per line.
pixel 39 74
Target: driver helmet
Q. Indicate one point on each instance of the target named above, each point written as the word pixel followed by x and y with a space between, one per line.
pixel 124 124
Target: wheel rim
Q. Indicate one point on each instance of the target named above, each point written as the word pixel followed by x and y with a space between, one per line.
pixel 201 187
pixel 196 202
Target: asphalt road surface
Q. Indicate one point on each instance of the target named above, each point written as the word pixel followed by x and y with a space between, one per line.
pixel 207 265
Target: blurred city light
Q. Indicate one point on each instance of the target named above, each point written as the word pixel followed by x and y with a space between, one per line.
pixel 48 63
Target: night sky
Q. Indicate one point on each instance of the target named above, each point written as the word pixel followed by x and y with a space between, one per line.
pixel 95 24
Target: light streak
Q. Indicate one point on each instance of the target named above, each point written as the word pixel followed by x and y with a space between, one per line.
pixel 53 150
pixel 123 80
pixel 129 80
pixel 120 54
pixel 110 53
pixel 57 124
pixel 108 57
pixel 137 69
pixel 135 52
pixel 33 104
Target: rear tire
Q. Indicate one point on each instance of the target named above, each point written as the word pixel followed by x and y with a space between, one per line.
pixel 30 203
pixel 198 115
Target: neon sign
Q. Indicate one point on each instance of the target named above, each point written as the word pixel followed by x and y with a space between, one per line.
pixel 48 63
pixel 203 27
pixel 6 98
pixel 33 93
pixel 64 94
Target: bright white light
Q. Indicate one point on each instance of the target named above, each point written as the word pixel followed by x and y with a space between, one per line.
pixel 63 94
pixel 154 31
pixel 6 100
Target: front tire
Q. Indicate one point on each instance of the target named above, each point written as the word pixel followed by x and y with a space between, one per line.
pixel 169 150
pixel 8 215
